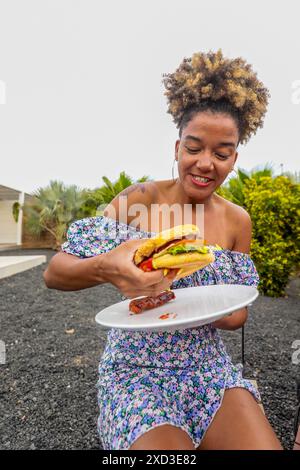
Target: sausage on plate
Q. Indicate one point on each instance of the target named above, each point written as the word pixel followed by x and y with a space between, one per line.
pixel 146 303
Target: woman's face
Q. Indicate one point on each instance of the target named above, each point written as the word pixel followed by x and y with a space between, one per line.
pixel 207 149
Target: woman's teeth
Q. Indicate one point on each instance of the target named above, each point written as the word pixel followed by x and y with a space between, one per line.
pixel 203 180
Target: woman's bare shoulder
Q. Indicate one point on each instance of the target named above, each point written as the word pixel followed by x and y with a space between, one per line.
pixel 145 193
pixel 239 221
pixel 233 211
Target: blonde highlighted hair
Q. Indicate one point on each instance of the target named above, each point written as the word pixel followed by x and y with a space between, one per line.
pixel 209 81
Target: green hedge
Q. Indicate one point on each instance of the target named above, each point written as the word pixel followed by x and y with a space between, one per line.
pixel 274 207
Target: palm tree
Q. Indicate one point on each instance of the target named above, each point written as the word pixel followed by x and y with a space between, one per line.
pixel 110 190
pixel 55 207
pixel 98 198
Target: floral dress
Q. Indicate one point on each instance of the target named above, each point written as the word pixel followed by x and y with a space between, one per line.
pixel 147 379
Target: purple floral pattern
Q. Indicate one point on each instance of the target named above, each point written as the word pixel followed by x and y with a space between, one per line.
pixel 147 379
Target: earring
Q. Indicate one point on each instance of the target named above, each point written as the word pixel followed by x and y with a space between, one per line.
pixel 173 169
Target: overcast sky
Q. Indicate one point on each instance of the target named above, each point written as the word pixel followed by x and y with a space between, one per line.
pixel 83 90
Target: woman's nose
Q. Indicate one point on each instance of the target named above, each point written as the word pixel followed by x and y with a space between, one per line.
pixel 205 161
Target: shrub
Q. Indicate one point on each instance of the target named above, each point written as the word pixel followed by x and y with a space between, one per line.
pixel 274 207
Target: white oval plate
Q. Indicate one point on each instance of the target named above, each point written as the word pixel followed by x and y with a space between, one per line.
pixel 192 307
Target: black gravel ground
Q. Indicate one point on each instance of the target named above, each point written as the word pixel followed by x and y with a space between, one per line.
pixel 47 390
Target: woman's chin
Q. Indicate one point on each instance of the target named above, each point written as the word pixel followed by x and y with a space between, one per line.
pixel 198 193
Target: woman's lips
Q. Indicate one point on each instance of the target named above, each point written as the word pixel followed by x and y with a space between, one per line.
pixel 200 183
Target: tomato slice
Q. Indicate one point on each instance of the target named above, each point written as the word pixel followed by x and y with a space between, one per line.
pixel 146 265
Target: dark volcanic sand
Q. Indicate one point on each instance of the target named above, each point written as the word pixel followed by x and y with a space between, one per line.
pixel 48 384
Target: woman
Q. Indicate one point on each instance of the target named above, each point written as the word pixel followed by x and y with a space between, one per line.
pixel 178 390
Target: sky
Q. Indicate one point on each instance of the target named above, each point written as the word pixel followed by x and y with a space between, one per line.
pixel 81 88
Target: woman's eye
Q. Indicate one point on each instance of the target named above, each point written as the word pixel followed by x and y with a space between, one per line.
pixel 222 156
pixel 192 150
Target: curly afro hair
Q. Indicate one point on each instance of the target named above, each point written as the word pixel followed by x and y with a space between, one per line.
pixel 211 82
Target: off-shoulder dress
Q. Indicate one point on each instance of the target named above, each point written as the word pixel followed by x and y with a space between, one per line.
pixel 147 379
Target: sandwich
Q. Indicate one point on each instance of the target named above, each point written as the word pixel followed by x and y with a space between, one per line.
pixel 177 248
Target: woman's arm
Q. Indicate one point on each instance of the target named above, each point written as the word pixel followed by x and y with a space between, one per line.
pixel 234 321
pixel 68 272
pixel 242 244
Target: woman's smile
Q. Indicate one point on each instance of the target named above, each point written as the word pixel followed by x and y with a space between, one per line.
pixel 200 181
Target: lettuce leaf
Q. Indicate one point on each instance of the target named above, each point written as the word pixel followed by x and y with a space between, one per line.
pixel 176 250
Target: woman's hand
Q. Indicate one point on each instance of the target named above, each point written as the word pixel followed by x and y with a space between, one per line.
pixel 69 272
pixel 117 267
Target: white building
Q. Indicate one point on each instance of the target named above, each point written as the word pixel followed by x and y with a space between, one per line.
pixel 10 230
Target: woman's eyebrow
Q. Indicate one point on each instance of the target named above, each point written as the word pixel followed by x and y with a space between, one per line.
pixel 220 144
pixel 192 137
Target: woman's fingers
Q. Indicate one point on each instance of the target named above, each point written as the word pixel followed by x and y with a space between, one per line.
pixel 147 285
pixel 131 280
